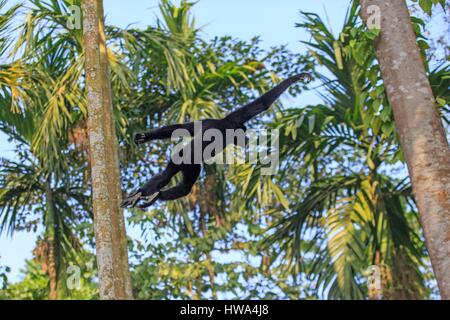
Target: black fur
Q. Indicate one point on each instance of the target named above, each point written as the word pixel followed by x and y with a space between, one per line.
pixel 153 189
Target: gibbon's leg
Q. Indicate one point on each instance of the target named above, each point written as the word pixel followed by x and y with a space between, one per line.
pixel 190 175
pixel 162 133
pixel 151 189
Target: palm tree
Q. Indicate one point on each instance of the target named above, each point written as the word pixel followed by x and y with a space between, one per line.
pixel 10 73
pixel 419 126
pixel 31 195
pixel 48 45
pixel 46 114
pixel 349 210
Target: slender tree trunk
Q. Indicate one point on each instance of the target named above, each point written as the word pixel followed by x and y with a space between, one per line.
pixel 111 244
pixel 419 126
pixel 209 262
pixel 50 227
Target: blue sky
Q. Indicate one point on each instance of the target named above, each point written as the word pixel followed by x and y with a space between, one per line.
pixel 274 21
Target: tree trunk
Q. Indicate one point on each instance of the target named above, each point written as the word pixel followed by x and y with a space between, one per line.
pixel 419 126
pixel 209 262
pixel 111 244
pixel 52 268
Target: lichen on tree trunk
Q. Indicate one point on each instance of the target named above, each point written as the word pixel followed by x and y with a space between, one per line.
pixel 111 245
pixel 419 126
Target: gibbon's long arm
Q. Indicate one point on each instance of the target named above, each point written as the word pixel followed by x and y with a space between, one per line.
pixel 263 103
pixel 162 133
pixel 239 116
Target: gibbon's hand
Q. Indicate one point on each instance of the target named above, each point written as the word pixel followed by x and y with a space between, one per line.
pixel 140 138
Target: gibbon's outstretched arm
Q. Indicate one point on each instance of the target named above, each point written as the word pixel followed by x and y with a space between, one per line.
pixel 162 133
pixel 239 116
pixel 263 103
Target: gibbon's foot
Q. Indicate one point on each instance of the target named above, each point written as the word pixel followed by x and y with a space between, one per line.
pixel 132 199
pixel 140 138
pixel 149 192
pixel 149 200
pixel 137 196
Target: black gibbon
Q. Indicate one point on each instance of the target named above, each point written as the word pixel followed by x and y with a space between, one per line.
pixel 152 190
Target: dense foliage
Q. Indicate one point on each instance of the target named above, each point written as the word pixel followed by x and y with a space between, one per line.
pixel 340 202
